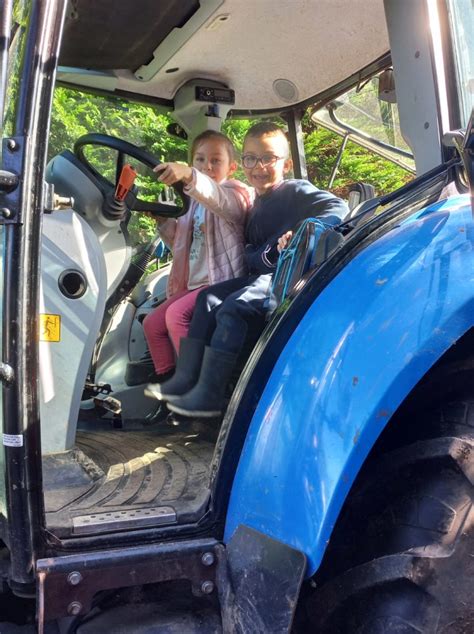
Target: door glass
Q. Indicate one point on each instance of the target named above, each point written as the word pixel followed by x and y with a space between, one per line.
pixel 11 67
pixel 357 138
pixel 369 119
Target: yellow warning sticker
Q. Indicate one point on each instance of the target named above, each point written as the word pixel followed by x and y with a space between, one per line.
pixel 50 327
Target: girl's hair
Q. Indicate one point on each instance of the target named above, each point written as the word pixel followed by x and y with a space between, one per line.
pixel 212 134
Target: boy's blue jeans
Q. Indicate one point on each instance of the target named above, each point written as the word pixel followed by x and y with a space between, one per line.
pixel 226 313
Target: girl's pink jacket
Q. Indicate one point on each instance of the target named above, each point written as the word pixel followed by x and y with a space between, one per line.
pixel 226 206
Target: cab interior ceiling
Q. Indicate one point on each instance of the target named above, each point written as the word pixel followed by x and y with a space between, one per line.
pixel 149 49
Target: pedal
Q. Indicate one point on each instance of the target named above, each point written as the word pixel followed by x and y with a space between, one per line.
pixel 108 403
pixel 93 389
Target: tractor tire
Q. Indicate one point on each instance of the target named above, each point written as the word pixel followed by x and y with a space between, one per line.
pixel 401 559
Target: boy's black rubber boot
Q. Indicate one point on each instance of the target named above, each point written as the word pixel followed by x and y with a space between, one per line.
pixel 187 371
pixel 206 399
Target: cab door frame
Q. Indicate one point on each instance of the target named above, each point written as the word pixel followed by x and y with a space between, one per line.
pixel 24 156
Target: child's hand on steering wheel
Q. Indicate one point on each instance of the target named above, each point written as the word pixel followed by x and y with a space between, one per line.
pixel 171 173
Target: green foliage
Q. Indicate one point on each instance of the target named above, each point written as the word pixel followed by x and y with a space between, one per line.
pixel 76 113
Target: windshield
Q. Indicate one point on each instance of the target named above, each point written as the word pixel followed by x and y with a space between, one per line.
pixel 462 29
pixel 77 113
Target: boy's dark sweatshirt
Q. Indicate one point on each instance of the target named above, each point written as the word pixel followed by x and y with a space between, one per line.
pixel 280 210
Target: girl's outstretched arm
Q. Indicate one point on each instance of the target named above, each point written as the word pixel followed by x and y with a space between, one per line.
pixel 230 200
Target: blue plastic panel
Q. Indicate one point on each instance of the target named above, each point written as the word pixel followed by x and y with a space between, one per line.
pixel 360 349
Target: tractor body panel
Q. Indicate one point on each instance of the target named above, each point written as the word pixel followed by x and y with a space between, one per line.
pixel 364 344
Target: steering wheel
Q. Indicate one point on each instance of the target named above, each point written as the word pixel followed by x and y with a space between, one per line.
pixel 124 148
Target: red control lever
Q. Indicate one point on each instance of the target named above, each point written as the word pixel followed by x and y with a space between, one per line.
pixel 126 180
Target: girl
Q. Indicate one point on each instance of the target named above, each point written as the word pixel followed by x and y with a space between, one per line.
pixel 207 242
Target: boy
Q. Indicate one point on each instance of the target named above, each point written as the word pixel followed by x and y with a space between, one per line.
pixel 224 312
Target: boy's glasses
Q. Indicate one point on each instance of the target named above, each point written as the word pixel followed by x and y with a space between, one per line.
pixel 267 160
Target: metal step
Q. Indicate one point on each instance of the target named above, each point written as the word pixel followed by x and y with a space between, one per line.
pixel 121 520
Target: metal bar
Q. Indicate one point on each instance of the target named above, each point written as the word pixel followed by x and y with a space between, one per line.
pixel 21 274
pixel 295 133
pixel 338 160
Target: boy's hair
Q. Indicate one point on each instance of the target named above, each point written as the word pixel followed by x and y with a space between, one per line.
pixel 264 128
pixel 213 134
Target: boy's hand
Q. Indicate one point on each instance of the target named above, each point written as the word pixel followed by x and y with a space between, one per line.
pixel 171 173
pixel 284 240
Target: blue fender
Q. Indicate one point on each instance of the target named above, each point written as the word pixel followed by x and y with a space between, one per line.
pixel 360 349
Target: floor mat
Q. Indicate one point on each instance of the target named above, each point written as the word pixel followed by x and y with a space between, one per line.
pixel 126 471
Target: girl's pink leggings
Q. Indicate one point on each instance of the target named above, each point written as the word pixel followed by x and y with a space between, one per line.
pixel 165 326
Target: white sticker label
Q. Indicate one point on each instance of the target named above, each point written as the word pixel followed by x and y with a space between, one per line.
pixel 13 440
